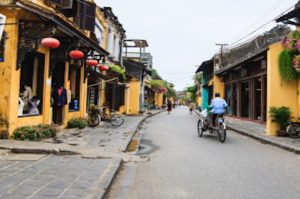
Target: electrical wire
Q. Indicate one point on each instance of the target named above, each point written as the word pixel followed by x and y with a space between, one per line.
pixel 260 18
pixel 232 45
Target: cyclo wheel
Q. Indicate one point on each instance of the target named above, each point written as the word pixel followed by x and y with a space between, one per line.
pixel 116 120
pixel 294 131
pixel 93 121
pixel 222 132
pixel 200 127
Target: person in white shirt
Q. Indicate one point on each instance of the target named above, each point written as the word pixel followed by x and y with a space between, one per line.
pixel 218 106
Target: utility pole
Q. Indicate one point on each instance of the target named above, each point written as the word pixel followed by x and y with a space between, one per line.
pixel 221 54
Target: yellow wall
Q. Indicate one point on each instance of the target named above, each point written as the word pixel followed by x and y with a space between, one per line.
pixel 219 86
pixel 10 85
pixel 8 75
pixel 101 18
pixel 81 113
pixel 279 92
pixel 199 101
pixel 159 97
pixel 134 97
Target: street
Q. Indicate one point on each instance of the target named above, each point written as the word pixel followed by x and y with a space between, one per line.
pixel 182 165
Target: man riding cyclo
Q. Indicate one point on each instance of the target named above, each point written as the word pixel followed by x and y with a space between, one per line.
pixel 218 107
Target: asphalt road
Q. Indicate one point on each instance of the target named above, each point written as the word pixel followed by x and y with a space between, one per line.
pixel 184 166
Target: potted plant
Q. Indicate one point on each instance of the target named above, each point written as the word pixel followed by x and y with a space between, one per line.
pixel 281 116
pixel 296 63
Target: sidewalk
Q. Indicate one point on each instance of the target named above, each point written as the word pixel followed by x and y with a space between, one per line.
pixel 257 131
pixel 76 164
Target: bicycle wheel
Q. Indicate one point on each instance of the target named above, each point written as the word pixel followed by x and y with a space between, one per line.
pixel 116 120
pixel 294 131
pixel 93 121
pixel 222 132
pixel 200 127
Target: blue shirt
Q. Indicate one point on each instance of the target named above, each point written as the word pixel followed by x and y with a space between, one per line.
pixel 218 105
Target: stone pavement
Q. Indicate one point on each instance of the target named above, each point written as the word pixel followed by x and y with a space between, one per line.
pixel 257 131
pixel 77 164
pixel 64 177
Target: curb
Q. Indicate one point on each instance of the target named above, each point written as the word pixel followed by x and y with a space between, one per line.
pixel 110 178
pixel 116 168
pixel 264 140
pixel 43 151
pixel 138 128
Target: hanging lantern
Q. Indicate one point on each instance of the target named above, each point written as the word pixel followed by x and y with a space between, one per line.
pixel 76 54
pixel 103 67
pixel 50 43
pixel 91 62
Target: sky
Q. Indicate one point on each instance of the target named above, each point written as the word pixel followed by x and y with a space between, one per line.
pixel 182 33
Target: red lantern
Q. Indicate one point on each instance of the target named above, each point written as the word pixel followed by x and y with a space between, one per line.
pixel 91 62
pixel 103 67
pixel 50 43
pixel 76 54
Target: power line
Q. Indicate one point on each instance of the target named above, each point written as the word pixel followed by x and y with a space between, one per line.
pixel 260 27
pixel 260 18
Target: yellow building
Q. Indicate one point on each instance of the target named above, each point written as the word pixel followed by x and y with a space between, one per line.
pixel 40 85
pixel 249 80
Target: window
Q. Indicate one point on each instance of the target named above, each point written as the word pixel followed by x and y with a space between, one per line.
pixel 31 85
pixel 74 75
pixel 99 32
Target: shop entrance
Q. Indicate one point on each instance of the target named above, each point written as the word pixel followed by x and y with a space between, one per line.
pixel 245 99
pixel 58 93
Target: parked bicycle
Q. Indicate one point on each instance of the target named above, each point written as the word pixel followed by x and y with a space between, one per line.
pixel 205 123
pixel 96 115
pixel 293 129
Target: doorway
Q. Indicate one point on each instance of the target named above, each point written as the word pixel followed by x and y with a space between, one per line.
pixel 58 79
pixel 245 99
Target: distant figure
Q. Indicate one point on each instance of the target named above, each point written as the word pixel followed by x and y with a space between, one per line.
pixel 169 105
pixel 191 107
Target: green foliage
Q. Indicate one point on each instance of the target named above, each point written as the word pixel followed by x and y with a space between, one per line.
pixel 156 84
pixel 34 133
pixel 118 69
pixel 77 123
pixel 155 75
pixel 191 90
pixel 281 116
pixel 198 78
pixel 94 110
pixel 286 68
pixel 171 92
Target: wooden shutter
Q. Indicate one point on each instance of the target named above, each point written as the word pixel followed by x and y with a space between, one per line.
pixel 64 4
pixel 57 2
pixel 67 4
pixel 88 16
pixel 122 95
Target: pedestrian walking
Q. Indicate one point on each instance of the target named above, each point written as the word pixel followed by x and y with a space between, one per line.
pixel 169 105
pixel 191 107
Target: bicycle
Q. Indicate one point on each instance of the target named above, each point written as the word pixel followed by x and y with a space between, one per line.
pixel 293 129
pixel 206 124
pixel 96 115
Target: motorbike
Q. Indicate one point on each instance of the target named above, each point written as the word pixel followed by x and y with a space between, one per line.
pixel 205 123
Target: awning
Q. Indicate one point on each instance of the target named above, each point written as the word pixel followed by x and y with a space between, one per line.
pixel 67 26
pixel 290 15
pixel 240 61
pixel 205 64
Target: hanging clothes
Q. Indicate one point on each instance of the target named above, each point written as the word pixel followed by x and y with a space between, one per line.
pixel 60 97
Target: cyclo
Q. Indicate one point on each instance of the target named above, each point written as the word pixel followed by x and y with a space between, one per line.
pixel 205 123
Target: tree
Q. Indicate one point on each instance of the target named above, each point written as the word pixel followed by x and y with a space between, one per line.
pixel 155 75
